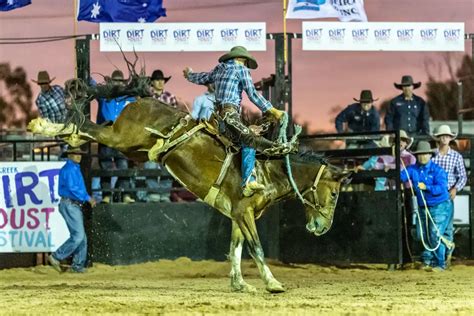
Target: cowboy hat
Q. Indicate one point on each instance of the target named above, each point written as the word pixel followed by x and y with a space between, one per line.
pixel 158 75
pixel 384 142
pixel 407 81
pixel 117 75
pixel 75 151
pixel 444 130
pixel 365 97
pixel 240 51
pixel 43 78
pixel 408 139
pixel 423 147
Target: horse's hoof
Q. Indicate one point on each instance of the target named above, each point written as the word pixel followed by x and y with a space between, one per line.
pixel 275 287
pixel 244 288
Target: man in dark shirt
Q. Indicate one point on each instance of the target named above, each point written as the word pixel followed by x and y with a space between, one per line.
pixel 408 111
pixel 361 116
pixel 72 191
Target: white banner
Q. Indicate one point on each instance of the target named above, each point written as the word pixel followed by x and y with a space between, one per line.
pixel 344 10
pixel 383 36
pixel 178 37
pixel 29 215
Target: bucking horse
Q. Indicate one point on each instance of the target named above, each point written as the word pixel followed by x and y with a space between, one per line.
pixel 204 162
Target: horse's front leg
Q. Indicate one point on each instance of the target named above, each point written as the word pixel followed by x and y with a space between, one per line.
pixel 249 229
pixel 237 282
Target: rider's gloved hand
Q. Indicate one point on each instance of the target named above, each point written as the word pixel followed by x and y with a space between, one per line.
pixel 276 113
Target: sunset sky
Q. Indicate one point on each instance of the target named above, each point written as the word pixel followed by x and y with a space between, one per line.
pixel 322 80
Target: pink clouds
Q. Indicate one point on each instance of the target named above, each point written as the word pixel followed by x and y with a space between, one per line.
pixel 321 79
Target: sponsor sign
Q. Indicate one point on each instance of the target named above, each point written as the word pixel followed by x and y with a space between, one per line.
pixel 383 36
pixel 178 37
pixel 29 215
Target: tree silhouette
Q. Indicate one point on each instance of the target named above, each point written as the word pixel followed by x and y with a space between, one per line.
pixel 16 98
pixel 442 95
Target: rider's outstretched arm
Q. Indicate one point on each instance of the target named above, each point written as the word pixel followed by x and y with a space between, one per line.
pixel 199 77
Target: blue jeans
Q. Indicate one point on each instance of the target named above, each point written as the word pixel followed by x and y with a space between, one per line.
pixel 248 164
pixel 449 233
pixel 441 215
pixel 157 183
pixel 108 159
pixel 76 245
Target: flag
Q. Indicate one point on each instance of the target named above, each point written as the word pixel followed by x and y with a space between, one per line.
pixel 7 5
pixel 318 9
pixel 120 10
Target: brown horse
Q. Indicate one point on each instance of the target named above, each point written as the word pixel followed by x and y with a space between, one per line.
pixel 194 154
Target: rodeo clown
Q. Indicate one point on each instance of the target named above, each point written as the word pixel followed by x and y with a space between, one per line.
pixel 230 77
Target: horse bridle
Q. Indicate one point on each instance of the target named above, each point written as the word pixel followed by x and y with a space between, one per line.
pixel 312 189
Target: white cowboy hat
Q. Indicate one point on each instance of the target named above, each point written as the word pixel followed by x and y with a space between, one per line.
pixel 384 142
pixel 408 139
pixel 444 130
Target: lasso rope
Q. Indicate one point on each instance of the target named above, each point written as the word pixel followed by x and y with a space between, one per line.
pixel 282 137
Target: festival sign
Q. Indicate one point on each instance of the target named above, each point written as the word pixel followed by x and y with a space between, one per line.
pixel 383 36
pixel 181 37
pixel 29 217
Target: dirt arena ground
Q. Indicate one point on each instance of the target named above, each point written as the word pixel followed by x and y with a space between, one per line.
pixel 186 287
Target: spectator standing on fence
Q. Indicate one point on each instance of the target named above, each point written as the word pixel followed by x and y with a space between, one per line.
pixel 430 185
pixel 359 117
pixel 50 101
pixel 453 163
pixel 72 191
pixel 204 105
pixel 109 110
pixel 408 111
pixel 158 82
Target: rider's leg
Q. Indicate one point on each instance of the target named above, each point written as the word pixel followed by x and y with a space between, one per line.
pixel 249 181
pixel 241 133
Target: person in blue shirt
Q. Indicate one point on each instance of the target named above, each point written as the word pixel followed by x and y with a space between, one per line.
pixel 408 111
pixel 203 105
pixel 231 77
pixel 361 116
pixel 73 193
pixel 430 183
pixel 108 111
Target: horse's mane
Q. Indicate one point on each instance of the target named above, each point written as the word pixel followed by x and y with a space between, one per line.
pixel 311 157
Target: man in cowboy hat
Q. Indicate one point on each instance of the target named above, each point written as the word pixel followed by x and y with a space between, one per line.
pixel 157 88
pixel 73 193
pixel 361 116
pixel 453 163
pixel 50 102
pixel 108 111
pixel 408 111
pixel 430 184
pixel 231 77
pixel 158 81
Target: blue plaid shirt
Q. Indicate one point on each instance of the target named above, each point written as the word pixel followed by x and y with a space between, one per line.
pixel 51 104
pixel 453 164
pixel 231 79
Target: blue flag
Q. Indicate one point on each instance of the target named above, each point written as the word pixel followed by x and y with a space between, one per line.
pixel 120 10
pixel 7 5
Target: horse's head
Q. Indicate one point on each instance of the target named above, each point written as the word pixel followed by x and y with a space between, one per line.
pixel 320 218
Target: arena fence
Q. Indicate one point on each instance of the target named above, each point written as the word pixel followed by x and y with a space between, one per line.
pixel 368 225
